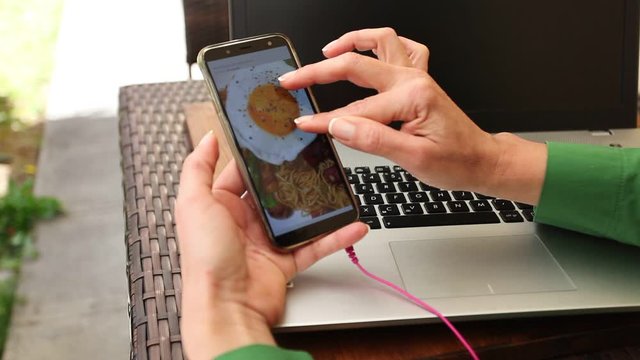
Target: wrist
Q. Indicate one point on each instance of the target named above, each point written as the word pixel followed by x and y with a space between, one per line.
pixel 212 326
pixel 519 169
pixel 235 325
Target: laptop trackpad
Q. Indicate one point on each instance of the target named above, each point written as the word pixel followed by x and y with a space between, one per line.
pixel 478 266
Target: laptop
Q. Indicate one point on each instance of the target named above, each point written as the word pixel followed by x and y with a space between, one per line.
pixel 549 71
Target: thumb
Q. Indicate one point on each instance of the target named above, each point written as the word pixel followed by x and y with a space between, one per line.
pixel 375 138
pixel 198 168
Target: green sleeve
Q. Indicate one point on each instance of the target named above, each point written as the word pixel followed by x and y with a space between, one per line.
pixel 264 352
pixel 592 189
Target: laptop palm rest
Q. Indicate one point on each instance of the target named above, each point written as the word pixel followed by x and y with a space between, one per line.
pixel 478 266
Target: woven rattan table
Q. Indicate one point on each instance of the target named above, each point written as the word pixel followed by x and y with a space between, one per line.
pixel 153 146
pixel 154 143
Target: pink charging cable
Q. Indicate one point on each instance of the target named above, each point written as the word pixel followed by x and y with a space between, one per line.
pixel 354 259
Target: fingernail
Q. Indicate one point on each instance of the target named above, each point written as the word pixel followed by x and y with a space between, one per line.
pixel 285 76
pixel 302 119
pixel 328 46
pixel 341 129
pixel 206 136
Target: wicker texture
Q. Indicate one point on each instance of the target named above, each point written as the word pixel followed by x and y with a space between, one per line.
pixel 153 145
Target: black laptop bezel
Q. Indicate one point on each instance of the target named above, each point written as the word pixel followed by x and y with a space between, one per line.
pixel 497 120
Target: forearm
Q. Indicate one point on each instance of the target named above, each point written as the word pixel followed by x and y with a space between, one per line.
pixel 518 170
pixel 594 190
pixel 585 188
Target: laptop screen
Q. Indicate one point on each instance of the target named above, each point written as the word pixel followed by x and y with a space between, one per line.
pixel 510 65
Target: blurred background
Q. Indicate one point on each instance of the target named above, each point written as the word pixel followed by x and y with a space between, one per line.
pixel 61 65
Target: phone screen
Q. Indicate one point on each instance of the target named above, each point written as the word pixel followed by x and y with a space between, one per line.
pixel 295 174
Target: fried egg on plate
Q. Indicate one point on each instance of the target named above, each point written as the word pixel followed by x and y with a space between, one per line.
pixel 267 145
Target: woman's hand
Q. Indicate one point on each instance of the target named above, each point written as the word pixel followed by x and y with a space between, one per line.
pixel 385 44
pixel 234 283
pixel 437 142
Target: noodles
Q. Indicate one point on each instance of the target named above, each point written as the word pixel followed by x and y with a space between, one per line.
pixel 307 190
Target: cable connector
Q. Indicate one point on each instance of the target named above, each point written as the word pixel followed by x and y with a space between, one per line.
pixel 352 254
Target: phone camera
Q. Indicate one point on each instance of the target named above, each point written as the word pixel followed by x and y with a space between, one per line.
pixel 269 43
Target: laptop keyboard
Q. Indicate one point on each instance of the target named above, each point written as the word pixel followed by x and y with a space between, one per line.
pixel 393 198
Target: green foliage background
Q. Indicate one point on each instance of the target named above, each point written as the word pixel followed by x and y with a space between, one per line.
pixel 28 33
pixel 19 211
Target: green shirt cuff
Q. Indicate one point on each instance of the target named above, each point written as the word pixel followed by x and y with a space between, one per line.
pixel 593 190
pixel 264 352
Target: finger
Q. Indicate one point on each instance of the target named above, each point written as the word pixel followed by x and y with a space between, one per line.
pixel 378 139
pixel 414 99
pixel 417 52
pixel 337 240
pixel 360 70
pixel 384 42
pixel 384 108
pixel 197 170
pixel 230 179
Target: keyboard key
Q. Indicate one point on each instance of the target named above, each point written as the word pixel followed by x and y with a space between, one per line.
pixel 440 219
pixel 510 216
pixel 371 178
pixel 457 206
pixel 523 206
pixel 480 205
pixel 386 187
pixel 373 199
pixel 435 207
pixel 363 188
pixel 392 177
pixel 372 221
pixel 484 197
pixel 502 204
pixel 397 168
pixel 382 169
pixel 409 177
pixel 439 195
pixel 395 198
pixel 347 170
pixel 407 186
pixel 528 214
pixel 388 209
pixel 353 179
pixel 462 195
pixel 418 196
pixel 362 170
pixel 426 187
pixel 412 209
pixel 367 210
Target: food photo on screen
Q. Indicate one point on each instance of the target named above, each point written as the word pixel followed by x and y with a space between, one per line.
pixel 293 171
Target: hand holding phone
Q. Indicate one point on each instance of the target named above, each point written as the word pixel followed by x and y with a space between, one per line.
pixel 295 177
pixel 227 263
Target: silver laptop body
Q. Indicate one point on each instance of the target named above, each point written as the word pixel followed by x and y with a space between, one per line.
pixel 470 271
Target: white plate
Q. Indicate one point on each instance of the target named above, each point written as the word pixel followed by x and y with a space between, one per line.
pixel 268 147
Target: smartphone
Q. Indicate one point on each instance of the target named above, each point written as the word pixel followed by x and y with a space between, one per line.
pixel 295 177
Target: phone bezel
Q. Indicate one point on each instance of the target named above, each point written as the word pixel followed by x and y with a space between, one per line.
pixel 300 236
